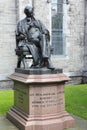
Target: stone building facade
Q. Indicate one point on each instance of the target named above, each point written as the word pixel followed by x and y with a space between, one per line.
pixel 74 57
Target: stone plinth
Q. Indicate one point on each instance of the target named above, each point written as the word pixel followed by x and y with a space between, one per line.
pixel 39 102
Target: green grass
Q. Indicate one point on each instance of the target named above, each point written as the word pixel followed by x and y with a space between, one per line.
pixel 6 101
pixel 76 100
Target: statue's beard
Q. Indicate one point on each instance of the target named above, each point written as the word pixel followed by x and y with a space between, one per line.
pixel 29 15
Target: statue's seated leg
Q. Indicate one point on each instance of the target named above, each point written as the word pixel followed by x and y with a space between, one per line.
pixel 47 63
pixel 35 64
pixel 19 62
pixel 23 54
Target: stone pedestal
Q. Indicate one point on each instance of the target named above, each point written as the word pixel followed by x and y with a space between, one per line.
pixel 39 102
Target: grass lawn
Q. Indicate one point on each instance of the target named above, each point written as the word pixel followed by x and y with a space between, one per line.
pixel 6 100
pixel 75 98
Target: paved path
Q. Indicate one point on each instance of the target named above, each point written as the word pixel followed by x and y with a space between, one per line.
pixel 81 124
pixel 5 124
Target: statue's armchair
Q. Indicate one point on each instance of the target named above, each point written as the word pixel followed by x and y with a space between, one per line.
pixel 24 54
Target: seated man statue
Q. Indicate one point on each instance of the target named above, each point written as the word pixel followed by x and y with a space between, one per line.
pixel 32 36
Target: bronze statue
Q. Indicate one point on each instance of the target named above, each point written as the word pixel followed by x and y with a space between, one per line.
pixel 32 37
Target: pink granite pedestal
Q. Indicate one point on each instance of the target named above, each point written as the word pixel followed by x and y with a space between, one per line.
pixel 39 102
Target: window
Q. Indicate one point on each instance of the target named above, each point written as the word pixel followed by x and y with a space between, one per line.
pixel 57 27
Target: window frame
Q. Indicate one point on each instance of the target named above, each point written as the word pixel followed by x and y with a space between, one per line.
pixel 63 27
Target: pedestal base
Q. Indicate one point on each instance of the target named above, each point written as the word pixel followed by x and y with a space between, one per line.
pixel 39 102
pixel 48 122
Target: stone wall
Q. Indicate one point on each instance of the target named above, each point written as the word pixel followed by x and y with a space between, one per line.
pixel 7 38
pixel 73 60
pixel 85 44
pixel 85 47
pixel 43 12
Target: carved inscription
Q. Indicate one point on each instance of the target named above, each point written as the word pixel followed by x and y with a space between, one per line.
pixel 21 95
pixel 47 99
pixel 20 98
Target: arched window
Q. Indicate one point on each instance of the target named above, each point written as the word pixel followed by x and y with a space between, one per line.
pixel 57 27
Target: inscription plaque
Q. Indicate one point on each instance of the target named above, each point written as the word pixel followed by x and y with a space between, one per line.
pixel 21 97
pixel 46 98
pixel 39 99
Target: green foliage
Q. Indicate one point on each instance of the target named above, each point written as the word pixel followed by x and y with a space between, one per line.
pixel 6 100
pixel 76 100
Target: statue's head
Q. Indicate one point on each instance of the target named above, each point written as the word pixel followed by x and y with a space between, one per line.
pixel 28 11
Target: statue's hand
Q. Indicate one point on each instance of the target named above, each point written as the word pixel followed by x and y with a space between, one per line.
pixel 22 37
pixel 35 40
